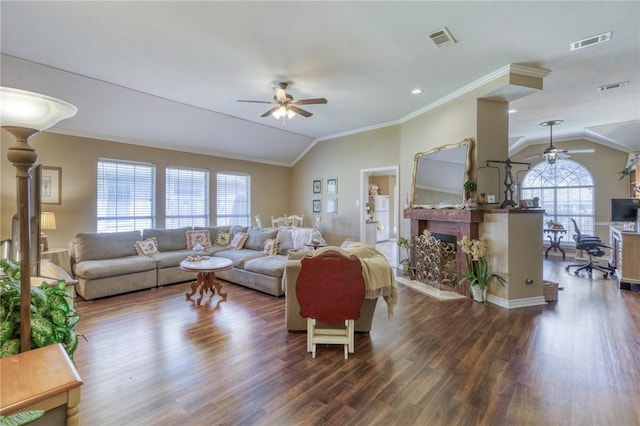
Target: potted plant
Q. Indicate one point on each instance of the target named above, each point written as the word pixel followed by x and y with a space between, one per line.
pixel 405 244
pixel 483 198
pixel 53 318
pixel 470 187
pixel 477 274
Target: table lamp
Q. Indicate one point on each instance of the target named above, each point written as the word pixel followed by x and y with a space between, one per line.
pixel 24 114
pixel 47 221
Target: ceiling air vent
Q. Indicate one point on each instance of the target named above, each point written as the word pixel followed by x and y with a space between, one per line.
pixel 600 38
pixel 612 86
pixel 441 37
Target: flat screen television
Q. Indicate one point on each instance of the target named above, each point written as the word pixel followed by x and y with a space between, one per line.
pixel 624 209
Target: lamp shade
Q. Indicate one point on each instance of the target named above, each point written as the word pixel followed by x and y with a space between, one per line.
pixel 47 220
pixel 21 108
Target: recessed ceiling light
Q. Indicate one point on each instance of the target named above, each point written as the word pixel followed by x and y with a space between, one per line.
pixel 590 41
pixel 513 111
pixel 416 91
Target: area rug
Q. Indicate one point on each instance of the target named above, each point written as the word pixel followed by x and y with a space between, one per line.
pixel 420 287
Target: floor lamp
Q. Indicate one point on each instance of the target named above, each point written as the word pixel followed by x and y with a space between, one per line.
pixel 24 114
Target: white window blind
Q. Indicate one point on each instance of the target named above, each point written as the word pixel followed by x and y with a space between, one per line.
pixel 186 197
pixel 126 195
pixel 232 199
pixel 565 190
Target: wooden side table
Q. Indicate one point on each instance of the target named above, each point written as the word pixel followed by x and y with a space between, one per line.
pixel 40 379
pixel 554 240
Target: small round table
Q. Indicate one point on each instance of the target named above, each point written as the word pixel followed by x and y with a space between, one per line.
pixel 554 240
pixel 206 269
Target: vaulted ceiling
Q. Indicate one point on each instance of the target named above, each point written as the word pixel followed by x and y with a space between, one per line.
pixel 169 74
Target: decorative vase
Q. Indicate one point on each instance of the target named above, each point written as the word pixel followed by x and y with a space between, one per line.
pixel 470 204
pixel 479 294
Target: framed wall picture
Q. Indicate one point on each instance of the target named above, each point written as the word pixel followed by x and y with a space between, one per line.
pixel 317 186
pixel 51 185
pixel 317 206
pixel 332 206
pixel 332 186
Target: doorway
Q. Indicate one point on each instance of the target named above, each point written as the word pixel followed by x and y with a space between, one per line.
pixel 384 180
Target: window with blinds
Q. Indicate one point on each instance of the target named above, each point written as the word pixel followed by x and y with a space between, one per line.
pixel 186 197
pixel 565 190
pixel 126 195
pixel 232 199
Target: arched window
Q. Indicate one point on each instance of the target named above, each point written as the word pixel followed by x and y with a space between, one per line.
pixel 565 190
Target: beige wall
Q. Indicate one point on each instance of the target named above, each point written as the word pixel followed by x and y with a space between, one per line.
pixel 604 164
pixel 270 185
pixel 343 158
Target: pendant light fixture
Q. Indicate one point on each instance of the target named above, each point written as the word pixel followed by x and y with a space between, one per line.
pixel 551 153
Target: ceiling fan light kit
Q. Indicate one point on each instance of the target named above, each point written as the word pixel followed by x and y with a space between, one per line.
pixel 551 153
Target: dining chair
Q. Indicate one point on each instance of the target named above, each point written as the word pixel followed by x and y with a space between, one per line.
pixel 330 290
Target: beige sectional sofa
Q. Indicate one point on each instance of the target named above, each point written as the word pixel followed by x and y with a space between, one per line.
pixel 107 264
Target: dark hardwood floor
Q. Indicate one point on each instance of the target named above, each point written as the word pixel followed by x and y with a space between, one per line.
pixel 153 358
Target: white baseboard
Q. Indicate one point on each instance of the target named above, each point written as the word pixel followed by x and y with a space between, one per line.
pixel 516 303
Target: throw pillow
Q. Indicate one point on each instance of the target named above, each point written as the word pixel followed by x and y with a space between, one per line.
pixel 270 247
pixel 146 247
pixel 238 241
pixel 223 238
pixel 194 237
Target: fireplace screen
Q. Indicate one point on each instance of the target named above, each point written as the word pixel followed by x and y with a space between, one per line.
pixel 436 260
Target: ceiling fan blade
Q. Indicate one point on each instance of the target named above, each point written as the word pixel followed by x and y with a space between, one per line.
pixel 255 102
pixel 268 113
pixel 533 157
pixel 310 101
pixel 581 151
pixel 300 111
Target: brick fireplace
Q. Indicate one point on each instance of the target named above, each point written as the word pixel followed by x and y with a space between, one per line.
pixel 449 222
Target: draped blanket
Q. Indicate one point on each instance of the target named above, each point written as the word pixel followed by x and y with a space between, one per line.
pixel 379 276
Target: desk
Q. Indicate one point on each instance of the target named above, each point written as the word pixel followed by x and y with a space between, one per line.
pixel 554 240
pixel 59 256
pixel 206 280
pixel 40 379
pixel 625 253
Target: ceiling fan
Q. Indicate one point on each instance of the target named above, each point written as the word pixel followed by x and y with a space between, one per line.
pixel 286 106
pixel 551 153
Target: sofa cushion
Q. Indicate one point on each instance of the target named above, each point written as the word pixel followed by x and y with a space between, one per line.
pixel 201 236
pixel 213 231
pixel 94 269
pixel 96 246
pixel 146 247
pixel 239 257
pixel 223 238
pixel 168 239
pixel 293 239
pixel 257 237
pixel 272 266
pixel 170 259
pixel 238 241
pixel 270 247
pixel 234 229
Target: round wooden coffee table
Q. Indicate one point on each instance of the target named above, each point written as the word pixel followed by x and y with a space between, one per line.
pixel 206 270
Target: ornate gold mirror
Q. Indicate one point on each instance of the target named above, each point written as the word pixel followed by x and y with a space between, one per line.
pixel 439 176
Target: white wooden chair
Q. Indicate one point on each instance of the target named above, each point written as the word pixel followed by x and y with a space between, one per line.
pixel 295 220
pixel 277 222
pixel 330 289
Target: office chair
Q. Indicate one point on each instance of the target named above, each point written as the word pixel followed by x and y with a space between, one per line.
pixel 593 246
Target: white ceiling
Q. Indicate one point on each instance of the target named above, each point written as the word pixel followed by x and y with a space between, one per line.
pixel 168 74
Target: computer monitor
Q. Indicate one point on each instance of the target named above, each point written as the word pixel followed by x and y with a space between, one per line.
pixel 624 209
